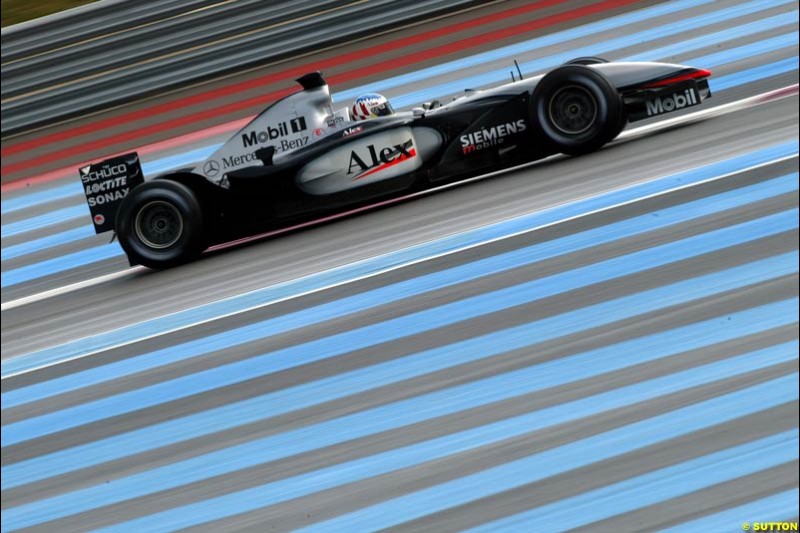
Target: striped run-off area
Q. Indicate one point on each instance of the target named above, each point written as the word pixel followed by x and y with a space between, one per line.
pixel 644 349
pixel 604 343
pixel 47 235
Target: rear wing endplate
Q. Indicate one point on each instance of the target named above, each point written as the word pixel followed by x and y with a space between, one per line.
pixel 106 184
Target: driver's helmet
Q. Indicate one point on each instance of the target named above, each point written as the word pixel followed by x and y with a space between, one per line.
pixel 371 105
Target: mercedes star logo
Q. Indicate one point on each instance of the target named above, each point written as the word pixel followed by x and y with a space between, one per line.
pixel 211 168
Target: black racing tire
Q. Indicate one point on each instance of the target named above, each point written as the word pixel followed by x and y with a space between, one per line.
pixel 621 123
pixel 587 60
pixel 577 110
pixel 160 224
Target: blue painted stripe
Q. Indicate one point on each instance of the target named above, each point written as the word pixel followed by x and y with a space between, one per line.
pixel 401 327
pixel 564 370
pixel 400 413
pixel 360 302
pixel 44 220
pixel 741 53
pixel 49 241
pixel 471 61
pixel 353 471
pixel 564 458
pixel 393 259
pixel 49 194
pixel 61 263
pixel 236 458
pixel 655 487
pixel 777 507
pixel 754 74
pixel 703 41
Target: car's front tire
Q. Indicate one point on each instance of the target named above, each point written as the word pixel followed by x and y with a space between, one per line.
pixel 160 224
pixel 576 109
pixel 587 60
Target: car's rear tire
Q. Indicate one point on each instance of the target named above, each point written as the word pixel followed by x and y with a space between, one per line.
pixel 160 224
pixel 576 109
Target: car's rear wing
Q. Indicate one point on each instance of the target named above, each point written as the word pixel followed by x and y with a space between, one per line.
pixel 106 184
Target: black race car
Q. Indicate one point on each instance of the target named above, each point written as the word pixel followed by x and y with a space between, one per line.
pixel 300 159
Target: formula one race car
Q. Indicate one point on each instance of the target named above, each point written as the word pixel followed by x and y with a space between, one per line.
pixel 300 159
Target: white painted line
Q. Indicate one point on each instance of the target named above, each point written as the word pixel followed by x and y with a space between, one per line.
pixel 70 288
pixel 626 135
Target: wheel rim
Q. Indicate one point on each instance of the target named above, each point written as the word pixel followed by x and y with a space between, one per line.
pixel 158 225
pixel 573 110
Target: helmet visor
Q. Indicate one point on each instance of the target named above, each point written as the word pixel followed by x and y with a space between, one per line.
pixel 382 110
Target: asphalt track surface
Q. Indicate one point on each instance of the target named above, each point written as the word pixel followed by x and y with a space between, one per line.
pixel 620 366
